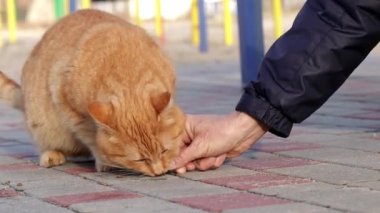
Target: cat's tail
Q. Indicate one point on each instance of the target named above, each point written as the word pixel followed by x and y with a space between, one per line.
pixel 10 92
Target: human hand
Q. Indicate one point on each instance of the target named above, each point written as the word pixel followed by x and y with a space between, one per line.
pixel 209 140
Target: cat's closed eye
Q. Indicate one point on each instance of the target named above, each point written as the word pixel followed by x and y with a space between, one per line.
pixel 143 160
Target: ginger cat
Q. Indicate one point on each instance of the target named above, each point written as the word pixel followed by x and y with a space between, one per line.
pixel 97 84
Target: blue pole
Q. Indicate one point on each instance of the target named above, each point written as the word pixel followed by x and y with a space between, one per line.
pixel 251 38
pixel 203 45
pixel 73 6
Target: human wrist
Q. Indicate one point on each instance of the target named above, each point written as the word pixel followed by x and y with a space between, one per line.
pixel 246 122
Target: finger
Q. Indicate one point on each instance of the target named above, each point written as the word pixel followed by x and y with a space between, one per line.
pixel 205 163
pixel 190 166
pixel 181 170
pixel 237 151
pixel 210 163
pixel 187 135
pixel 192 152
pixel 219 161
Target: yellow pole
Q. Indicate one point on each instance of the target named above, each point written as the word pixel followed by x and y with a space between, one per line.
pixel 1 27
pixel 228 34
pixel 137 13
pixel 66 7
pixel 159 31
pixel 11 20
pixel 195 22
pixel 86 4
pixel 277 15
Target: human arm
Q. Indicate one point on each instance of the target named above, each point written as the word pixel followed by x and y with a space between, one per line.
pixel 302 69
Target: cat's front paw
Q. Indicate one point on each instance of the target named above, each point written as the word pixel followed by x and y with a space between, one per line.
pixel 52 158
pixel 101 167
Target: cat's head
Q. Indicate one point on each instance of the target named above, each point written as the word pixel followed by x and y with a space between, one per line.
pixel 145 140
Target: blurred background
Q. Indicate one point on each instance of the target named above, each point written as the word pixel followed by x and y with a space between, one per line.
pixel 168 20
pixel 190 34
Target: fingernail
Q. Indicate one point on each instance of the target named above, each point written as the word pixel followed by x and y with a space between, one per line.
pixel 181 171
pixel 172 166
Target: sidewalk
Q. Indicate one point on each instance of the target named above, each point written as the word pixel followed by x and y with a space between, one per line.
pixel 331 163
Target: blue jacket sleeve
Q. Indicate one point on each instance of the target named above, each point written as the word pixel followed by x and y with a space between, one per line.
pixel 304 67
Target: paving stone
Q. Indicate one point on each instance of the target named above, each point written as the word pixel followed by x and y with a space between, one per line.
pixel 270 163
pixel 136 205
pixel 339 155
pixel 18 166
pixel 375 185
pixel 224 171
pixel 336 197
pixel 8 192
pixel 344 140
pixel 26 172
pixel 295 191
pixel 67 200
pixel 21 136
pixel 338 111
pixel 118 176
pixel 365 115
pixel 343 122
pixel 253 154
pixel 62 185
pixel 222 202
pixel 331 173
pixel 7 160
pixel 259 180
pixel 305 130
pixel 283 146
pixel 170 187
pixel 285 208
pixel 19 151
pixel 22 204
pixel 77 168
pixel 7 142
pixel 41 182
pixel 12 124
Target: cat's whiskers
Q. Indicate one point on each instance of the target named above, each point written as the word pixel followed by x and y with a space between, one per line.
pixel 113 165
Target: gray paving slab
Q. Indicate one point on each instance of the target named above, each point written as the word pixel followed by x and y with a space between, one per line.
pixel 349 141
pixel 224 171
pixel 355 158
pixel 19 150
pixel 331 173
pixel 136 205
pixel 22 204
pixel 340 121
pixel 374 185
pixel 285 208
pixel 29 175
pixel 17 135
pixel 6 160
pixel 172 187
pixel 62 185
pixel 336 197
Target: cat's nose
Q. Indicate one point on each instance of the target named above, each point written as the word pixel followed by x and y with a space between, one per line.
pixel 158 168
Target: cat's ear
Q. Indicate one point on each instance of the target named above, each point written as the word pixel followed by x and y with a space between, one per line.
pixel 101 112
pixel 160 101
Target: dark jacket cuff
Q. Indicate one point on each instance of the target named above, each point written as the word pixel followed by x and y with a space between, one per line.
pixel 258 108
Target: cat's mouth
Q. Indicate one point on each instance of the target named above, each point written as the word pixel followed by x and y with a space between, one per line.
pixel 119 172
pixel 156 170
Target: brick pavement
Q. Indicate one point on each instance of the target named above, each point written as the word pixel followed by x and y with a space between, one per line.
pixel 330 163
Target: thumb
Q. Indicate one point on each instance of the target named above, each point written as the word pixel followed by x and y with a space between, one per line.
pixel 187 155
